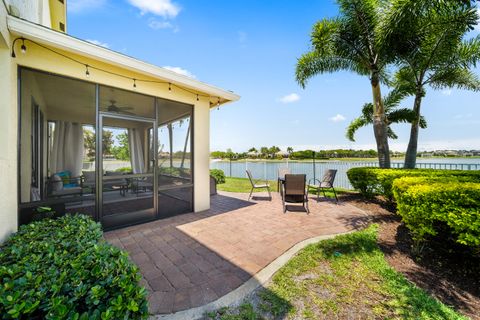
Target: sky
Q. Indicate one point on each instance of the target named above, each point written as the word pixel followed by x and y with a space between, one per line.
pixel 251 47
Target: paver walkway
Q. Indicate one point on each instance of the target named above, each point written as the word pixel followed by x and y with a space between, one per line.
pixel 193 259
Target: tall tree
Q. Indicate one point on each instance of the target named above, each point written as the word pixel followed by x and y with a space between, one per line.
pixel 393 114
pixel 122 151
pixel 89 142
pixel 264 151
pixel 351 42
pixel 431 49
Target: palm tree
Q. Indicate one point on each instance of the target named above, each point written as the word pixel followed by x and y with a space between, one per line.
pixel 253 150
pixel 393 114
pixel 289 150
pixel 351 42
pixel 264 151
pixel 432 51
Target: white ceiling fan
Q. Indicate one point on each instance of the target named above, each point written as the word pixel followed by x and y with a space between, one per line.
pixel 114 108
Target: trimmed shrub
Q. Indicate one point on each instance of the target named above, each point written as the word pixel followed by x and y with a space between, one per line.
pixel 124 170
pixel 218 175
pixel 372 181
pixel 62 268
pixel 423 202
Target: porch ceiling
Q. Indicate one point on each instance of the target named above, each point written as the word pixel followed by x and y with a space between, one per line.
pixel 71 44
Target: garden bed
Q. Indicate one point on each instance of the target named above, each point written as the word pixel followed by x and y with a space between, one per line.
pixel 444 269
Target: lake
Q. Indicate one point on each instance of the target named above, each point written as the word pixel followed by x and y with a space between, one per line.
pixel 267 170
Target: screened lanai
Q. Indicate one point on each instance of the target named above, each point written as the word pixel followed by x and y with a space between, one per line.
pixel 139 168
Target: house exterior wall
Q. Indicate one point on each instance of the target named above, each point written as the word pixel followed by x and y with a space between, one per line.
pixel 8 134
pixel 58 15
pixel 41 59
pixel 36 11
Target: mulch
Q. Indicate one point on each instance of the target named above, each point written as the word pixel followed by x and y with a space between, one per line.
pixel 446 270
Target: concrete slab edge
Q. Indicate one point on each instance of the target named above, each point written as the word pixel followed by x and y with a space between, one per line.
pixel 238 295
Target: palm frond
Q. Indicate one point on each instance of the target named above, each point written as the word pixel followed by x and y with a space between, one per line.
pixel 422 123
pixel 367 111
pixel 402 115
pixel 391 134
pixel 313 63
pixel 355 125
pixel 460 78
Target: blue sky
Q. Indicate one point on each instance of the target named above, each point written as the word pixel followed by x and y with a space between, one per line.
pixel 251 47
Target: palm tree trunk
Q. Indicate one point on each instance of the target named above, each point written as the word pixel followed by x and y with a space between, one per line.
pixel 380 124
pixel 411 155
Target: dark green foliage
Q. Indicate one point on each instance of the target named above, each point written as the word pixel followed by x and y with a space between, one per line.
pixel 63 269
pixel 372 181
pixel 424 202
pixel 218 175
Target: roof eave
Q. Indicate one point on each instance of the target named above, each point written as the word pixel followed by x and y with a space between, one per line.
pixel 68 43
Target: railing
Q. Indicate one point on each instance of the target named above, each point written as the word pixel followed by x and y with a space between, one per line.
pixel 268 169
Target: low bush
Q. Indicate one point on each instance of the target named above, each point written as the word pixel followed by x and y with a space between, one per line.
pixel 372 181
pixel 63 269
pixel 124 170
pixel 425 202
pixel 218 175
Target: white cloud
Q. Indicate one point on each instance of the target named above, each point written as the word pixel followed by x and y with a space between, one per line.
pixel 447 92
pixel 98 43
pixel 163 8
pixel 180 71
pixel 337 118
pixel 289 98
pixel 155 24
pixel 76 6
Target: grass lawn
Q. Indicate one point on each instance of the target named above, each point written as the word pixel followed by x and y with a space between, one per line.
pixel 243 185
pixel 343 278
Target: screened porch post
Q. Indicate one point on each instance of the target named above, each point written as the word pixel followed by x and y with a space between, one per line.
pixel 170 139
pixel 186 144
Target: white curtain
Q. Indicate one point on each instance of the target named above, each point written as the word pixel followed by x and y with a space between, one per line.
pixel 136 150
pixel 67 148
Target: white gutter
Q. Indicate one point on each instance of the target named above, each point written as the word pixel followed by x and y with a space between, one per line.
pixel 68 43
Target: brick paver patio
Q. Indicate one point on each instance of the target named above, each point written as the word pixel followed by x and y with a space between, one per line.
pixel 193 259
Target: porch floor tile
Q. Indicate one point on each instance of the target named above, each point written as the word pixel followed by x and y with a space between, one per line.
pixel 193 259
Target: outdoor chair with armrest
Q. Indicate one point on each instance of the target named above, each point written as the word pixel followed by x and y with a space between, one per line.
pixel 295 191
pixel 256 185
pixel 281 175
pixel 326 183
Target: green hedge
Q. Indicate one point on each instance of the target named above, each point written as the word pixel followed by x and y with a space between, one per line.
pixel 372 181
pixel 423 202
pixel 218 175
pixel 63 269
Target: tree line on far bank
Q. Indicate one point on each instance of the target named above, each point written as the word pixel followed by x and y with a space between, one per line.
pixel 275 153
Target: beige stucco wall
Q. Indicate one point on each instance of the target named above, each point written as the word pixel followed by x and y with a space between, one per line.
pixel 8 141
pixel 41 59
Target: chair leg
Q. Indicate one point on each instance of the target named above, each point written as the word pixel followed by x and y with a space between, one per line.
pixel 336 198
pixel 306 206
pixel 269 194
pixel 251 191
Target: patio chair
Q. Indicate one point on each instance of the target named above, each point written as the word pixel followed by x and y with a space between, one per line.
pixel 326 183
pixel 281 175
pixel 257 186
pixel 295 191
